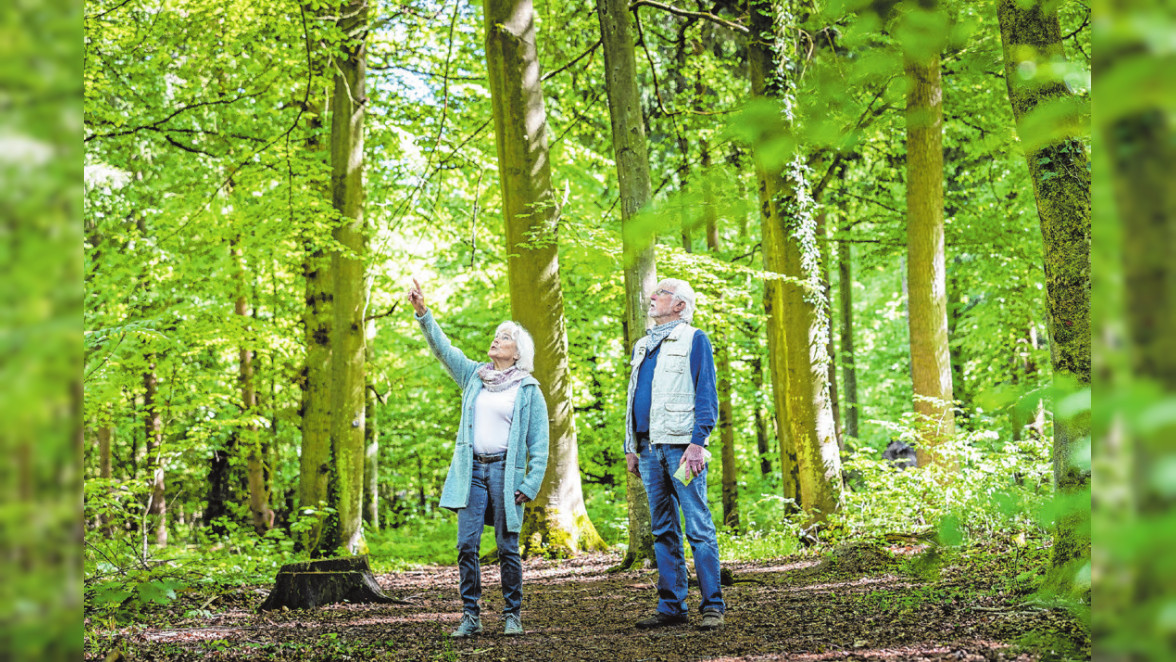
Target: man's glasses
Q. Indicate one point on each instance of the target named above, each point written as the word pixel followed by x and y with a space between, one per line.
pixel 658 293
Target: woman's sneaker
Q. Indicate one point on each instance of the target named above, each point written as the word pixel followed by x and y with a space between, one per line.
pixel 514 625
pixel 470 625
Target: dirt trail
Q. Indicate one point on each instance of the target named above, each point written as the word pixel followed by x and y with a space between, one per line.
pixel 789 609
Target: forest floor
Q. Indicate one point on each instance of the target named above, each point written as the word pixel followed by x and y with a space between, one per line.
pixel 856 605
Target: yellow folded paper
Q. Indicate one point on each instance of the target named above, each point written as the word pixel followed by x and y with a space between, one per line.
pixel 684 474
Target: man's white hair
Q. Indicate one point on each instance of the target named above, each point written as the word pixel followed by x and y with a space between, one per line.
pixel 523 342
pixel 684 293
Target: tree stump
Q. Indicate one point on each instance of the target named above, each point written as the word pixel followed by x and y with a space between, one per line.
pixel 325 581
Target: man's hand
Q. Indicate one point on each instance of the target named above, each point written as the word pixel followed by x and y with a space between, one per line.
pixel 694 459
pixel 634 462
pixel 521 498
pixel 417 298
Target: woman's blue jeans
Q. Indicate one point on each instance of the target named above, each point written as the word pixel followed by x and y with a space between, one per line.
pixel 666 495
pixel 486 496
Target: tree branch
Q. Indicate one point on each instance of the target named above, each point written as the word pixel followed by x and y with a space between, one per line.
pixel 579 57
pixel 376 317
pixel 689 14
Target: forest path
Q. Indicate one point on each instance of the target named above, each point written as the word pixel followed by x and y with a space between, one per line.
pixel 787 609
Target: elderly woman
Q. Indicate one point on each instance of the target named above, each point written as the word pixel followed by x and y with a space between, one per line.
pixel 499 460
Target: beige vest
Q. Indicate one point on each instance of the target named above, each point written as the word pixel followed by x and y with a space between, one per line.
pixel 671 409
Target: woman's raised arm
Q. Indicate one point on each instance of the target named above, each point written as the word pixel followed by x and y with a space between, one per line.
pixel 459 367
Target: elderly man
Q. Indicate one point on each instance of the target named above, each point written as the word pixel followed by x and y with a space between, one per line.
pixel 672 406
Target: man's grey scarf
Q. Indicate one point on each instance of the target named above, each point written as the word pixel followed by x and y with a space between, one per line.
pixel 496 381
pixel 658 333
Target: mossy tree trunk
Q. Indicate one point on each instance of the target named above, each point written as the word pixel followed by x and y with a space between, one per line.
pixel 557 522
pixel 317 316
pixel 797 332
pixel 348 110
pixel 1061 175
pixel 926 272
pixel 631 152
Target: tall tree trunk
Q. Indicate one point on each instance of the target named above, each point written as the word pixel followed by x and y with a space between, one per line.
pixel 848 370
pixel 632 157
pixel 1061 184
pixel 557 522
pixel 315 456
pixel 926 275
pixel 371 492
pixel 153 427
pixel 348 109
pixel 808 441
pixel 262 515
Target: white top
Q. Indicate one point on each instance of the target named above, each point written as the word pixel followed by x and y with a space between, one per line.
pixel 493 413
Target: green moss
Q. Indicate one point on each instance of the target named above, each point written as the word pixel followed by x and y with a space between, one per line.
pixel 543 535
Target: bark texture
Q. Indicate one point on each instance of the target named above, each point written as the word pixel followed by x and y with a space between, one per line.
pixel 557 522
pixel 323 582
pixel 926 272
pixel 631 152
pixel 1061 185
pixel 348 109
pixel 315 457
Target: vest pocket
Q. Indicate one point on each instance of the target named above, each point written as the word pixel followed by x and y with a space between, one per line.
pixel 679 419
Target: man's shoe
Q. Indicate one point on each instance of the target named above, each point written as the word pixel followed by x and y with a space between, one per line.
pixel 711 620
pixel 660 620
pixel 470 625
pixel 514 625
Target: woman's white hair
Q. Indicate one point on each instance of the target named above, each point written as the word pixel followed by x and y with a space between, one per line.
pixel 684 293
pixel 523 343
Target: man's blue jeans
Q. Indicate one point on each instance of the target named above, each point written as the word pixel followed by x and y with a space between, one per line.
pixel 666 495
pixel 486 496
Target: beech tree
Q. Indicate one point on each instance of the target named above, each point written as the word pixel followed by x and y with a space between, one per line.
pixel 926 274
pixel 632 159
pixel 557 521
pixel 348 109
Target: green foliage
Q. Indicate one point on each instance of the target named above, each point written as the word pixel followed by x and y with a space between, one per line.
pixel 420 541
pixel 998 488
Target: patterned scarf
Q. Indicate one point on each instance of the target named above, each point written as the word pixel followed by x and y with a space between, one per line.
pixel 496 381
pixel 658 333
